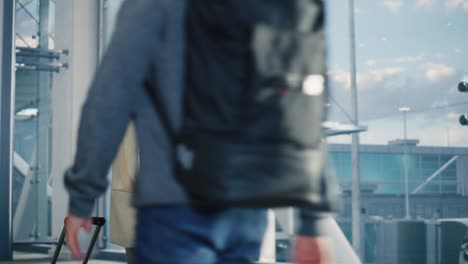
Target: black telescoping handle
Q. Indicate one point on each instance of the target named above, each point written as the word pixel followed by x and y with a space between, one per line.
pixel 91 244
pixel 59 246
pixel 98 222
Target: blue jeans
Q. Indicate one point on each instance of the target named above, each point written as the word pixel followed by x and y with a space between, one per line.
pixel 184 235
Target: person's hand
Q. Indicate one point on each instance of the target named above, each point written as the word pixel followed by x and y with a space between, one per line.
pixel 313 250
pixel 72 226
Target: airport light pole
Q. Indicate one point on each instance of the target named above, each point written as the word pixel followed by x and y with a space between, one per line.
pixel 404 110
pixel 356 176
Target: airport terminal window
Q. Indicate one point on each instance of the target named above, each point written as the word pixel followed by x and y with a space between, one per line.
pixel 341 164
pixel 32 184
pixel 387 171
pixel 370 166
pixel 392 167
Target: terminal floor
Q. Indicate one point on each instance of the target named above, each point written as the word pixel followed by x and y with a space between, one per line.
pixel 37 258
pixel 30 258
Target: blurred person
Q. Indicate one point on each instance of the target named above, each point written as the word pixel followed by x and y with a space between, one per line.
pixel 173 225
pixel 146 49
pixel 122 214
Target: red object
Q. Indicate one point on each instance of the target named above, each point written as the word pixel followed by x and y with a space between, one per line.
pixel 283 90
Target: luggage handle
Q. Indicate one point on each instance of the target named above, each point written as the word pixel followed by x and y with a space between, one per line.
pixel 97 221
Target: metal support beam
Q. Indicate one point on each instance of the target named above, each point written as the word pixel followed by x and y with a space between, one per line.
pixel 43 128
pixel 25 213
pixel 435 174
pixel 7 13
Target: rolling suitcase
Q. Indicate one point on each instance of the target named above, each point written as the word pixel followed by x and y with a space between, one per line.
pixel 98 222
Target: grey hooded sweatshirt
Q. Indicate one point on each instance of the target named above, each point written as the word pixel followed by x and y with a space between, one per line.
pixel 148 41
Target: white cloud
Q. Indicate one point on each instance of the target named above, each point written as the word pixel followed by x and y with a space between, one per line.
pixel 435 72
pixel 455 4
pixel 385 72
pixel 439 102
pixel 359 11
pixel 424 3
pixel 393 6
pixel 364 80
pixel 457 136
pixel 380 74
pixel 340 76
pixel 453 115
pixel 369 137
pixel 419 57
pixel 370 62
pixel 439 56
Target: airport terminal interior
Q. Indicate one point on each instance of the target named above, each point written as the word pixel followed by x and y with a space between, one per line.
pixel 396 140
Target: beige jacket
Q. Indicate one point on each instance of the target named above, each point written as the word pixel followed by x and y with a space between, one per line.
pixel 122 214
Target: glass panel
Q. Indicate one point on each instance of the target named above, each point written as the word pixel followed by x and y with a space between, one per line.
pixel 341 164
pixel 390 188
pixel 370 243
pixel 52 25
pixel 32 133
pixel 22 3
pixel 392 167
pixel 26 30
pixel 414 168
pixel 32 7
pixel 452 188
pixel 370 167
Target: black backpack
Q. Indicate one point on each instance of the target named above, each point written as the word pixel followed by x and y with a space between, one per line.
pixel 255 102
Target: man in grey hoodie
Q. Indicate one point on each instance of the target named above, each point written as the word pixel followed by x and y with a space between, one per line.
pixel 148 46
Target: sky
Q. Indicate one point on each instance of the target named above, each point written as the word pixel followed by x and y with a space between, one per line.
pixel 408 53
